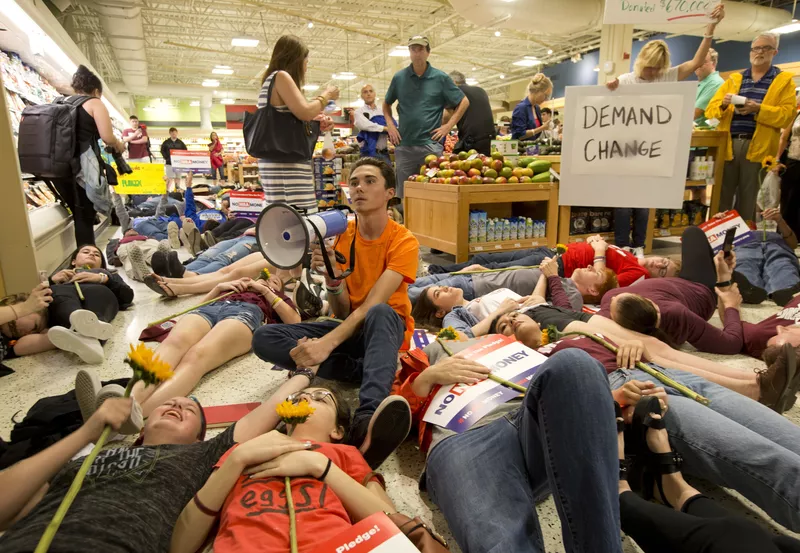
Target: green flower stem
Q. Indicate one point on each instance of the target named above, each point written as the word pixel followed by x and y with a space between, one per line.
pixel 481 271
pixel 80 292
pixel 491 376
pixel 58 518
pixel 655 373
pixel 168 317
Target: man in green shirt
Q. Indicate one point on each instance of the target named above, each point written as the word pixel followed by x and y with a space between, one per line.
pixel 423 93
pixel 710 81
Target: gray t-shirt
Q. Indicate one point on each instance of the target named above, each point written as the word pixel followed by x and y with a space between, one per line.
pixel 130 500
pixel 522 281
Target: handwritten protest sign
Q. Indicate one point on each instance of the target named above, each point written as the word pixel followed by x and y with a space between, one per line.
pixel 628 147
pixel 147 178
pixel 658 11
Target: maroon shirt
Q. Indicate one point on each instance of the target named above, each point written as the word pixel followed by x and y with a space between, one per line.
pixel 270 315
pixel 756 335
pixel 136 151
pixel 597 351
pixel 685 309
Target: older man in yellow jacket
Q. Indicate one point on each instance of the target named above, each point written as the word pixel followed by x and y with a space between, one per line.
pixel 755 126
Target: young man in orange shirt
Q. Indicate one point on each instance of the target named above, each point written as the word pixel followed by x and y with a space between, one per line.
pixel 375 309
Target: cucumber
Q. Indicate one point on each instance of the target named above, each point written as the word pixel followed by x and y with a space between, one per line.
pixel 541 177
pixel 539 166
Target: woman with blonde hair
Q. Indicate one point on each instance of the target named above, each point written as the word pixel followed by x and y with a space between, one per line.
pixel 652 65
pixel 526 121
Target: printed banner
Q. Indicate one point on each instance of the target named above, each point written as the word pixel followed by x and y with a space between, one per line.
pixel 628 147
pixel 460 406
pixel 250 202
pixel 420 339
pixel 659 12
pixel 376 533
pixel 196 162
pixel 716 229
pixel 147 178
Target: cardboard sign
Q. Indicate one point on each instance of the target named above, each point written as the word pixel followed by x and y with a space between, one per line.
pixel 628 147
pixel 147 178
pixel 694 12
pixel 506 147
pixel 376 533
pixel 715 230
pixel 196 162
pixel 460 406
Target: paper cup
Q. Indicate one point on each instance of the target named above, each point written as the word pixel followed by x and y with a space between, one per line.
pixel 738 100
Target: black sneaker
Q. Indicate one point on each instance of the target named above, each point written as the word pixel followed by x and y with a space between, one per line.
pixel 434 269
pixel 782 297
pixel 751 293
pixel 388 427
pixel 306 297
pixel 176 269
pixel 160 264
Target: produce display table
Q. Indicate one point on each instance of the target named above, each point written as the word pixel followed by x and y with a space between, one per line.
pixel 438 214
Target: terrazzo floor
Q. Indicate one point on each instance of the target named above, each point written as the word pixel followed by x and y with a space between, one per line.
pixel 248 379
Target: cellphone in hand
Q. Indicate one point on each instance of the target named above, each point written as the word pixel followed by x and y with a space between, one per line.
pixel 727 246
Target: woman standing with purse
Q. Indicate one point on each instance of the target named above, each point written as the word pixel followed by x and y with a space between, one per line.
pixel 217 161
pixel 291 127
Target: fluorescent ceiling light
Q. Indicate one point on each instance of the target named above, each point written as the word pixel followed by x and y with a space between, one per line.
pixel 310 87
pixel 792 27
pixel 40 41
pixel 526 63
pixel 210 83
pixel 245 42
pixel 357 104
pixel 596 69
pixel 222 66
pixel 149 108
pixel 472 82
pixel 549 52
pixel 400 52
pixel 310 24
pixel 497 33
pixel 218 71
pixel 502 76
pixel 227 101
pixel 345 76
pixel 195 103
pixel 474 68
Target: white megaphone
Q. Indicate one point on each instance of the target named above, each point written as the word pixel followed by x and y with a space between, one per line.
pixel 284 235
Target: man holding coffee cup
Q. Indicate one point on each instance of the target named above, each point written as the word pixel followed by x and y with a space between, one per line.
pixel 753 106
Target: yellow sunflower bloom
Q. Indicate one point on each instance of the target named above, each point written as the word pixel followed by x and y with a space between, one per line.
pixel 294 413
pixel 768 162
pixel 561 249
pixel 265 274
pixel 545 337
pixel 448 333
pixel 147 366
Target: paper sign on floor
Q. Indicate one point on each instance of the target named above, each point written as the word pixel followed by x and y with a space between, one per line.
pixel 376 533
pixel 460 406
pixel 715 230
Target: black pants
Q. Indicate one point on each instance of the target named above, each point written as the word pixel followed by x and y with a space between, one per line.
pixel 482 146
pixel 701 527
pixel 83 213
pixel 790 195
pixel 232 228
pixel 698 258
pixel 98 299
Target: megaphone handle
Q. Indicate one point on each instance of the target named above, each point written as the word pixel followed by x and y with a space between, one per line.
pixel 328 266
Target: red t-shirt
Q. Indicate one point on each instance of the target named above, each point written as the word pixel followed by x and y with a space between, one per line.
pixel 756 335
pixel 136 151
pixel 255 517
pixel 623 263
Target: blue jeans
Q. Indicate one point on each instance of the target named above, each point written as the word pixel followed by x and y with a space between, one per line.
pixel 218 170
pixel 622 226
pixel 152 228
pixel 562 440
pixel 735 442
pixel 408 159
pixel 246 313
pixel 222 254
pixel 770 265
pixel 369 356
pixel 455 281
pixel 500 260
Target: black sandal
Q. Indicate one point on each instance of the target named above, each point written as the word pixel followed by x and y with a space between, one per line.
pixel 652 465
pixel 159 286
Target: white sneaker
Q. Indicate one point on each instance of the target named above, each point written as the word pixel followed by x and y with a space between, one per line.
pixel 88 349
pixel 139 266
pixel 135 422
pixel 638 252
pixel 86 323
pixel 87 386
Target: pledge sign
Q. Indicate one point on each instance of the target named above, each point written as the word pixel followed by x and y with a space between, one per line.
pixel 658 11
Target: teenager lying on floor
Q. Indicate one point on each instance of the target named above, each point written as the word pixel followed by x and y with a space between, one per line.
pixel 215 258
pixel 70 323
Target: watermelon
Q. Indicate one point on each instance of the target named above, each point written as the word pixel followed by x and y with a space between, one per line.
pixel 539 166
pixel 541 177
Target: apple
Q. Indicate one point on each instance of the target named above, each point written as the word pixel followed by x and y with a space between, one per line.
pixel 459 173
pixel 477 163
pixel 497 156
pixel 475 180
pixel 500 180
pixel 474 172
pixel 526 179
pixel 454 158
pixel 463 180
pixel 433 164
pixel 463 155
pixel 429 158
pixel 497 165
pixel 513 180
pixel 491 173
pixel 487 180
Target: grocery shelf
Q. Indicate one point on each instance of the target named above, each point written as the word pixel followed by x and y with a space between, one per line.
pixel 695 183
pixel 671 231
pixel 507 245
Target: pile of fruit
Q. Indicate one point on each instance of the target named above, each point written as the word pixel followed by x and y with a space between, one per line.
pixel 472 168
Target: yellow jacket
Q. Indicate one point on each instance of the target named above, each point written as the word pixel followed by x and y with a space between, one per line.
pixel 777 112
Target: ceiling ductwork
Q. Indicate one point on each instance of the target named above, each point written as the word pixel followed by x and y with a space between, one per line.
pixel 122 23
pixel 558 19
pixel 186 91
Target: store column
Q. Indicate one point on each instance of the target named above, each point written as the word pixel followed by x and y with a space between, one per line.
pixel 205 112
pixel 615 51
pixel 17 258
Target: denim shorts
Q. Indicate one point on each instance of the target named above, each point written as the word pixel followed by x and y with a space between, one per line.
pixel 249 314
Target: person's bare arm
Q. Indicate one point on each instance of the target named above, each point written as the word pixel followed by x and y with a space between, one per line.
pixel 102 119
pixel 541 287
pixel 442 131
pixel 264 418
pixel 33 343
pixel 391 128
pixel 698 112
pixel 338 296
pixel 784 141
pixel 296 102
pixel 688 67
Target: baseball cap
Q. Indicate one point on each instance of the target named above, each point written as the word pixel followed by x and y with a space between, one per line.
pixel 419 39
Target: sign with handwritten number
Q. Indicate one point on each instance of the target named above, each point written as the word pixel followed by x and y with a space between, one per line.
pixel 658 11
pixel 628 147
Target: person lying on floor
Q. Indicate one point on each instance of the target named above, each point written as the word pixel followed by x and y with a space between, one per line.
pixel 155 478
pixel 437 305
pixel 767 267
pixel 215 258
pixel 14 315
pixel 686 303
pixel 330 480
pixel 595 252
pixel 233 227
pixel 212 335
pixel 688 522
pixel 587 285
pixel 70 323
pixel 373 309
pixel 149 206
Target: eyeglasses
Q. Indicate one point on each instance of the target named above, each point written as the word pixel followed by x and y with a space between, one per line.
pixel 761 49
pixel 316 395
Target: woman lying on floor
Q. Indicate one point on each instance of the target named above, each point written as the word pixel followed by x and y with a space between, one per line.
pixel 217 257
pixel 210 336
pixel 75 325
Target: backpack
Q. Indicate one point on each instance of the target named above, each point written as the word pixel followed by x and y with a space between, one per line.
pixel 48 138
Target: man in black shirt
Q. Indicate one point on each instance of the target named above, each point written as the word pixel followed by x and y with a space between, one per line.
pixel 476 128
pixel 171 143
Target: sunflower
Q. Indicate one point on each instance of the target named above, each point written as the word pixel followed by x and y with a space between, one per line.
pixel 545 337
pixel 147 366
pixel 294 413
pixel 561 249
pixel 448 333
pixel 264 274
pixel 768 162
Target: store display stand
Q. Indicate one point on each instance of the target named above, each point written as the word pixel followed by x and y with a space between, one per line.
pixel 248 172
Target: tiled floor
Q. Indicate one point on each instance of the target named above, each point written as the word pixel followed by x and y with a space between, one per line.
pixel 249 379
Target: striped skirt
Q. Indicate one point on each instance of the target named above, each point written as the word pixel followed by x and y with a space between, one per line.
pixel 292 183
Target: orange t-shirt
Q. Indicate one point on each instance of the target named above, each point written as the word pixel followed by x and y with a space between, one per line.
pixel 396 250
pixel 255 517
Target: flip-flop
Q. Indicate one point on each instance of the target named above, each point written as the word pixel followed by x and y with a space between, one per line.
pixel 159 287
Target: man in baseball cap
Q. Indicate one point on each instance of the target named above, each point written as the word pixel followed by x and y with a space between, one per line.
pixel 421 40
